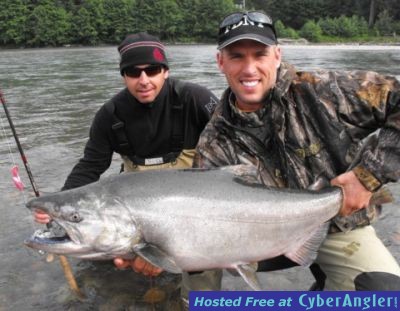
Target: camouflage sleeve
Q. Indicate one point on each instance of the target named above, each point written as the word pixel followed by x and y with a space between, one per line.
pixel 372 101
pixel 211 150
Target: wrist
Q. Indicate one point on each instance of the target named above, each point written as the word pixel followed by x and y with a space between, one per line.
pixel 368 180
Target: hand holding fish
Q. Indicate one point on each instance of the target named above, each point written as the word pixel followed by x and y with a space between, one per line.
pixel 355 195
pixel 41 217
pixel 139 265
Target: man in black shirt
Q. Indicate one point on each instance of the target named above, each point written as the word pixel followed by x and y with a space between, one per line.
pixel 153 123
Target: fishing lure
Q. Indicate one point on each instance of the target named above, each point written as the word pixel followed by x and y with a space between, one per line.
pixel 16 178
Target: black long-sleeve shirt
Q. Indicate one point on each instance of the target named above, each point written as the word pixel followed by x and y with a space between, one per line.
pixel 148 128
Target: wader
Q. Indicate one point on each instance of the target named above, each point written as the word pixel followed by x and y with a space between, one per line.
pixel 341 263
pixel 357 260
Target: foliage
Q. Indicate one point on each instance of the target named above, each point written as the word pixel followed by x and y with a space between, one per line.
pixel 91 22
pixel 285 32
pixel 207 22
pixel 12 22
pixel 344 26
pixel 384 24
pixel 311 31
pixel 160 17
pixel 118 20
pixel 48 25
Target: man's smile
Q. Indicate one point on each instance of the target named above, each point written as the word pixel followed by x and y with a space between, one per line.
pixel 250 84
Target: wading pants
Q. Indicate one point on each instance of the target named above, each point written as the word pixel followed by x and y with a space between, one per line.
pixel 358 260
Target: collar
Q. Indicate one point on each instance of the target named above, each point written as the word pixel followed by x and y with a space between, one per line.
pixel 245 119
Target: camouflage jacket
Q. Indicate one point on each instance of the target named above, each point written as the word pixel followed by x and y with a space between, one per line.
pixel 313 125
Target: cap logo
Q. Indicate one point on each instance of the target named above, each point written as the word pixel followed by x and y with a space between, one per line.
pixel 243 22
pixel 141 44
pixel 158 56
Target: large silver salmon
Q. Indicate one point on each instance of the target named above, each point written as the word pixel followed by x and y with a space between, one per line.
pixel 187 220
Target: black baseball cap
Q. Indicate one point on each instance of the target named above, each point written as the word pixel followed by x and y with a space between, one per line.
pixel 252 25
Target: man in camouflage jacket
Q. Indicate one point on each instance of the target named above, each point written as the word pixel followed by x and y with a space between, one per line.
pixel 299 128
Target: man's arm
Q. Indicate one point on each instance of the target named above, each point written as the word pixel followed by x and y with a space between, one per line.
pixel 97 158
pixel 97 153
pixel 375 104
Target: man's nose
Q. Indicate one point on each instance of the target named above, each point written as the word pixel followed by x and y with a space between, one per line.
pixel 143 78
pixel 249 66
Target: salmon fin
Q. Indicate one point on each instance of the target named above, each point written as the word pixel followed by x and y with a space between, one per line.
pixel 245 174
pixel 157 257
pixel 320 183
pixel 249 275
pixel 382 196
pixel 307 252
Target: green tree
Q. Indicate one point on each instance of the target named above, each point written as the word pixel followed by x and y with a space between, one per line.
pixel 285 32
pixel 13 15
pixel 295 13
pixel 185 29
pixel 385 23
pixel 311 31
pixel 83 29
pixel 159 17
pixel 344 26
pixel 87 21
pixel 118 20
pixel 167 18
pixel 49 25
pixel 209 14
pixel 329 26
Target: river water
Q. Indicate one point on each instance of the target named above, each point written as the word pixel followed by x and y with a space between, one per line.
pixel 52 95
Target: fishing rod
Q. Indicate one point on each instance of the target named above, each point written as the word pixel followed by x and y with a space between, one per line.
pixel 21 151
pixel 63 260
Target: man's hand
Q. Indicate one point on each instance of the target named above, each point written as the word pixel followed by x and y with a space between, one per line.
pixel 139 265
pixel 41 217
pixel 355 195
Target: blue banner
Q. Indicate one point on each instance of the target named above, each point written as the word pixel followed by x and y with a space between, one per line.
pixel 293 300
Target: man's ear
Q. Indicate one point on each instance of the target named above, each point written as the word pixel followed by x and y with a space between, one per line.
pixel 123 79
pixel 166 73
pixel 278 55
pixel 220 62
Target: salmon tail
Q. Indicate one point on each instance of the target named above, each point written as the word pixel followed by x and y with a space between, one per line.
pixel 382 196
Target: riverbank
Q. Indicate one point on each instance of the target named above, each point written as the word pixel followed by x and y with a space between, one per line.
pixel 343 41
pixel 383 41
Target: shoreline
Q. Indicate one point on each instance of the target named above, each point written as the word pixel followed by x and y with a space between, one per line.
pixel 282 41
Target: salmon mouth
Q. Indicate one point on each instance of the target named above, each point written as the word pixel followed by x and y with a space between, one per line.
pixel 43 237
pixel 52 235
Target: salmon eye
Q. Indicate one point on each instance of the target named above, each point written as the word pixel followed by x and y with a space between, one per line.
pixel 75 217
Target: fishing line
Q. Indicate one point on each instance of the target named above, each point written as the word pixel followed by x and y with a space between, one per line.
pixel 7 140
pixel 63 260
pixel 11 156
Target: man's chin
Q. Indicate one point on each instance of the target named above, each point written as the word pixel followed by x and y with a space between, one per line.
pixel 145 99
pixel 251 101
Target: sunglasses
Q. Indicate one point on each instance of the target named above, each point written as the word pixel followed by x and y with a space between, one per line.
pixel 254 16
pixel 135 72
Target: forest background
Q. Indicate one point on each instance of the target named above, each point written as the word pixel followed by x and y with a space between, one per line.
pixel 41 23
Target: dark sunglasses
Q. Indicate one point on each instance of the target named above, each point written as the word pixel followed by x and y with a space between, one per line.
pixel 135 72
pixel 256 17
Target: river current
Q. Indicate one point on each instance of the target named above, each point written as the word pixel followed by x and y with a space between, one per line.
pixel 52 95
